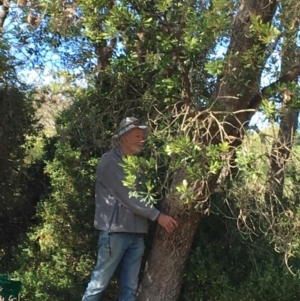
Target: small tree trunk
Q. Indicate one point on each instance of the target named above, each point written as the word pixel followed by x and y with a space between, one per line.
pixel 280 154
pixel 282 146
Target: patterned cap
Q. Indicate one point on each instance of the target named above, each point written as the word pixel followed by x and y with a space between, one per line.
pixel 128 124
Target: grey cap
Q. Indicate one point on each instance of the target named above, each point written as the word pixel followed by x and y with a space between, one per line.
pixel 128 124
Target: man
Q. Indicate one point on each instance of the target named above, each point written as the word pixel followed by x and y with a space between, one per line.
pixel 121 219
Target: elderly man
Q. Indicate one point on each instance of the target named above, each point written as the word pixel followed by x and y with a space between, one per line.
pixel 122 219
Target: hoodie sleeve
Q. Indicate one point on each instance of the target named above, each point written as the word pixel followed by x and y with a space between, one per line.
pixel 111 175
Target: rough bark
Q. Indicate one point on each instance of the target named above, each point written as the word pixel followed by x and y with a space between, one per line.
pixel 237 82
pixel 162 278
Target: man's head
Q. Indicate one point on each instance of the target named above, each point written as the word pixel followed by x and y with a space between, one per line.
pixel 131 135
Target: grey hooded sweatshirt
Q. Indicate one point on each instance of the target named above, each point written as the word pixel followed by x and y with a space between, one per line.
pixel 115 210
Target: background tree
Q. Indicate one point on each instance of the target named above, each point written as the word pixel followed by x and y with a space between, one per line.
pixel 287 117
pixel 17 122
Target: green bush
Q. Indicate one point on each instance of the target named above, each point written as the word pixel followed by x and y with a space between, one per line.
pixel 225 266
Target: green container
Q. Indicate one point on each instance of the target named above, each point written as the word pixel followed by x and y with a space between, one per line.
pixel 9 289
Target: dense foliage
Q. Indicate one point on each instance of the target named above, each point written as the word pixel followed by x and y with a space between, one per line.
pixel 17 123
pixel 225 265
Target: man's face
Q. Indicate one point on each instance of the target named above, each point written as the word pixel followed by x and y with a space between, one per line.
pixel 133 141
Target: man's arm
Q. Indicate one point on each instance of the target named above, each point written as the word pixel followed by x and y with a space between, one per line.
pixel 111 175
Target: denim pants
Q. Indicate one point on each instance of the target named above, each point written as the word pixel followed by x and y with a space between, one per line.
pixel 116 250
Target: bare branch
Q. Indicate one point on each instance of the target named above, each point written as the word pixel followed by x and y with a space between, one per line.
pixel 289 76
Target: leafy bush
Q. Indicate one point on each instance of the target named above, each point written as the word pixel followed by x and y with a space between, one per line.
pixel 225 266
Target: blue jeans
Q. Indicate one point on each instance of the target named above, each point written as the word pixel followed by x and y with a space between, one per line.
pixel 116 250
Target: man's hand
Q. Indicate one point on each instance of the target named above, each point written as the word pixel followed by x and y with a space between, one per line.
pixel 167 222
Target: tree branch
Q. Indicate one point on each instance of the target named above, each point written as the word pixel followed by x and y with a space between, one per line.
pixel 289 76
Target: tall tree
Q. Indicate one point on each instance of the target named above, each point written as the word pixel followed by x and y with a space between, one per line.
pixel 17 122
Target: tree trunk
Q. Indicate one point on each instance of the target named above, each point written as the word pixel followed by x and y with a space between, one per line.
pixel 280 153
pixel 162 278
pixel 282 146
